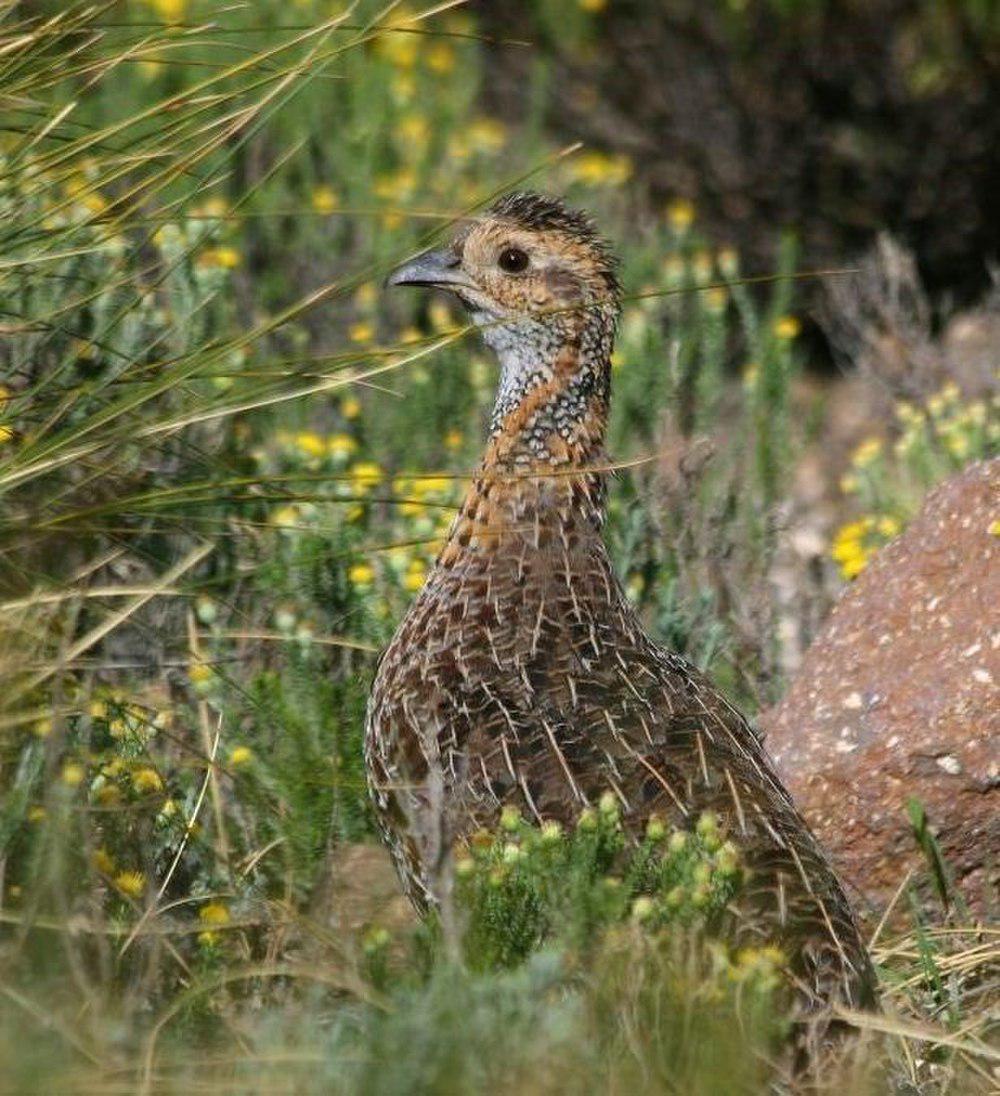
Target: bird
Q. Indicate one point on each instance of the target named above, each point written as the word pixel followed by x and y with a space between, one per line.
pixel 521 675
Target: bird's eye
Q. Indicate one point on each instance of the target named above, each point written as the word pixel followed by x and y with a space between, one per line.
pixel 513 260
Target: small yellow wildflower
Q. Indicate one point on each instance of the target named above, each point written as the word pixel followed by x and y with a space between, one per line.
pixel 215 207
pixel 108 795
pixel 324 199
pixel 42 728
pixel 866 452
pixel 6 434
pixel 486 135
pixel 311 444
pixel 223 257
pixel 362 332
pixel 361 574
pixel 170 11
pixel 146 781
pixel 751 371
pixel 72 774
pixel 350 407
pixel 849 483
pixel 441 58
pixel 365 296
pixel 601 169
pixel 453 440
pixel 887 527
pixel 994 528
pixel 728 262
pixel 130 883
pixel 786 328
pixel 413 130
pixel 36 813
pixel 214 913
pixel 240 755
pixel 593 6
pixel 102 862
pixel 285 517
pixel 415 575
pixel 715 300
pixel 200 674
pixel 366 474
pixel 680 214
pixel 398 48
pixel 440 316
pixel 341 446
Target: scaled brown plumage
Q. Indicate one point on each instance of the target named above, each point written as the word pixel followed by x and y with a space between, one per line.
pixel 521 674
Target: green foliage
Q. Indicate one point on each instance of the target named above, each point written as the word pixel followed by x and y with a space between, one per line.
pixel 527 884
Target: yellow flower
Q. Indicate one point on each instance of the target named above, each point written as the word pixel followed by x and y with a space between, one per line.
pixel 215 207
pixel 439 315
pixel 341 446
pixel 398 48
pixel 484 135
pixel 994 528
pixel 36 813
pixel 240 755
pixel 715 300
pixel 362 332
pixel 432 485
pixel 593 6
pixel 146 781
pixel 72 774
pixel 751 371
pixel 324 199
pixel 786 327
pixel 413 130
pixel 887 527
pixel 200 674
pixel 102 862
pixel 285 517
pixel 680 214
pixel 131 883
pixel 441 58
pixel 366 474
pixel 728 261
pixel 415 575
pixel 849 483
pixel 365 296
pixel 311 444
pixel 361 574
pixel 5 434
pixel 601 169
pixel 350 407
pixel 214 913
pixel 410 335
pixel 866 452
pixel 42 728
pixel 225 258
pixel 170 11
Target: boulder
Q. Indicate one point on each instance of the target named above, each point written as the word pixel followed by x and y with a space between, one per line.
pixel 899 697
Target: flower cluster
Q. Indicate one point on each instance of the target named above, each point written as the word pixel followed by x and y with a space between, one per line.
pixel 527 881
pixel 889 478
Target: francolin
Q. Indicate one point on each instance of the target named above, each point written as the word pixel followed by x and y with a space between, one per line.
pixel 521 674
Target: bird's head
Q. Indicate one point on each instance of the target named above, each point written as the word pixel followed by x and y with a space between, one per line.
pixel 528 265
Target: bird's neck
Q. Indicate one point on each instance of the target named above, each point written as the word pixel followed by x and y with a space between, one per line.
pixel 551 407
pixel 541 480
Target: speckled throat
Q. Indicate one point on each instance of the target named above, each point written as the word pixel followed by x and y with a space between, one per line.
pixel 522 675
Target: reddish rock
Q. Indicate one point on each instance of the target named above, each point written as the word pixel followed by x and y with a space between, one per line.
pixel 899 696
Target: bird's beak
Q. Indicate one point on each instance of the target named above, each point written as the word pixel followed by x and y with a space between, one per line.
pixel 441 269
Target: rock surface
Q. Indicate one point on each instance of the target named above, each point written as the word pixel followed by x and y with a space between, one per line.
pixel 899 697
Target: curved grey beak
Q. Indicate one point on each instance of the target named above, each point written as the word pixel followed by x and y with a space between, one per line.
pixel 434 268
